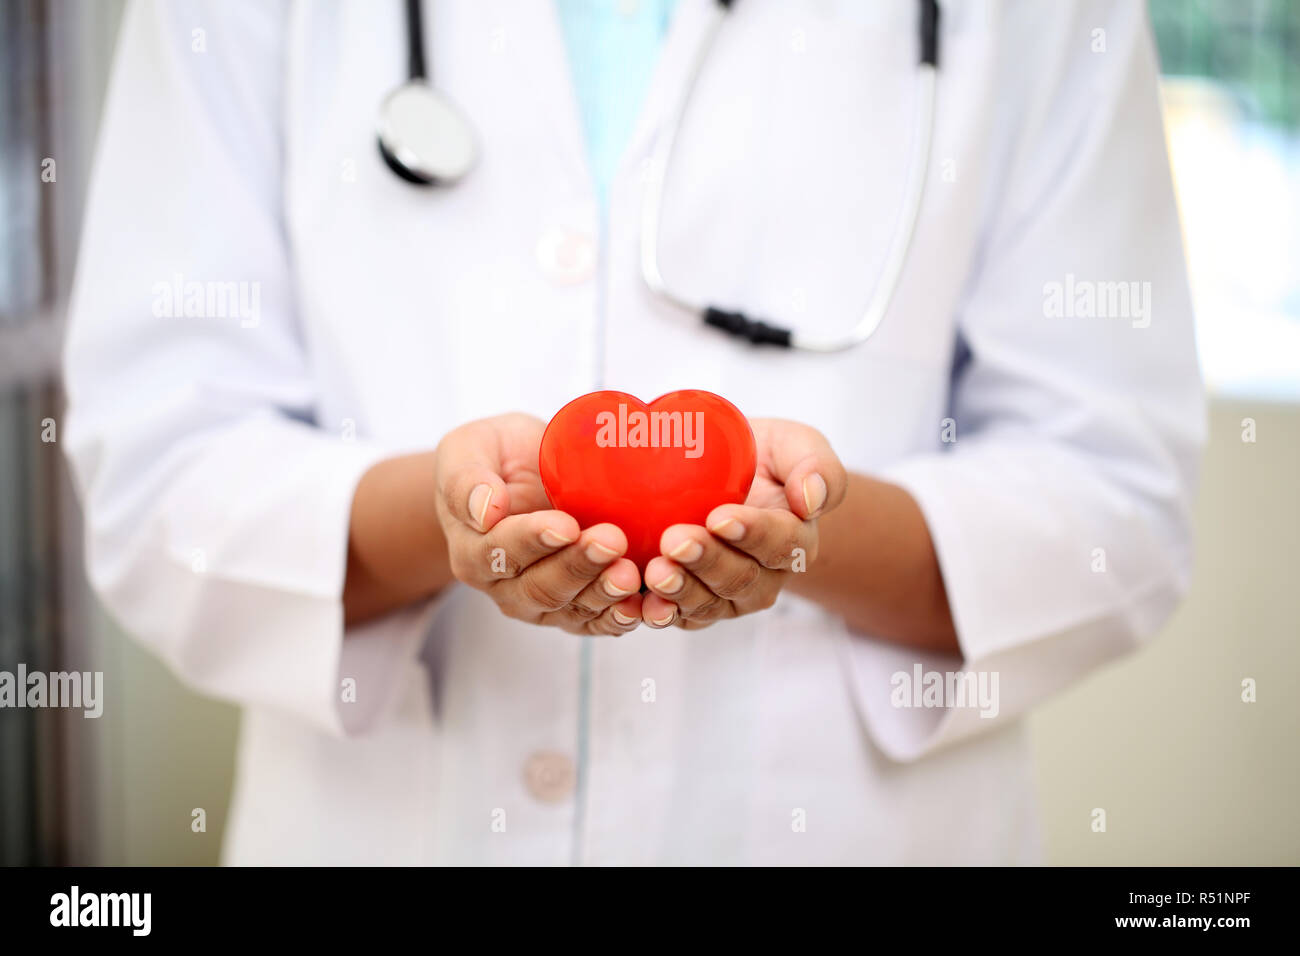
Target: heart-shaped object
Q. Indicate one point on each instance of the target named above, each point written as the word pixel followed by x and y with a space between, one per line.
pixel 608 456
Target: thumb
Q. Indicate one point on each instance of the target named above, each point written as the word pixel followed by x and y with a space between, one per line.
pixel 801 458
pixel 469 479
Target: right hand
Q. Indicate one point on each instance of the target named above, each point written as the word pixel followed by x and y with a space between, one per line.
pixel 505 540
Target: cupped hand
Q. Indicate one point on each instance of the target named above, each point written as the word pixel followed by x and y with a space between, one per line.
pixel 739 562
pixel 505 540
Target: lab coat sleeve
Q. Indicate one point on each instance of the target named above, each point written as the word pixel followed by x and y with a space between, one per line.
pixel 1060 513
pixel 216 508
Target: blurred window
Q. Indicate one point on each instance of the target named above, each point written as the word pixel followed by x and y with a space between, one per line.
pixel 1231 91
pixel 54 57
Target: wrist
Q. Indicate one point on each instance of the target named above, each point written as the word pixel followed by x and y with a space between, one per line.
pixel 420 490
pixel 397 553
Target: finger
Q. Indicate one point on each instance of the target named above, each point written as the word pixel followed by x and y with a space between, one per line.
pixel 802 459
pixel 514 544
pixel 616 583
pixel 771 536
pixel 694 600
pixel 553 582
pixel 469 481
pixel 620 618
pixel 656 611
pixel 615 620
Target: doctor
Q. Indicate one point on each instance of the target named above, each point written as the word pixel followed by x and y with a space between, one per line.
pixel 306 396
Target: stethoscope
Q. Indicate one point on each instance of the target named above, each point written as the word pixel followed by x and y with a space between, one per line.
pixel 426 140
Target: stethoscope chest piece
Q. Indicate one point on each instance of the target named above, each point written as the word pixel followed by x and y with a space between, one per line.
pixel 423 137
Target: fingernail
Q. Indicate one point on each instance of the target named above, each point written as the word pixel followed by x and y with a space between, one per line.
pixel 814 493
pixel 731 529
pixel 479 499
pixel 553 539
pixel 597 553
pixel 664 621
pixel 622 618
pixel 614 591
pixel 671 584
pixel 688 551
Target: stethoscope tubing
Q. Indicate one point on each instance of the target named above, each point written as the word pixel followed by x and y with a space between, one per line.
pixel 405 163
pixel 757 331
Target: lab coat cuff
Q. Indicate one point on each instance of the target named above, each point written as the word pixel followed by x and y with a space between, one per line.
pixel 344 671
pixel 915 702
pixel 370 659
pixel 374 659
pixel 279 573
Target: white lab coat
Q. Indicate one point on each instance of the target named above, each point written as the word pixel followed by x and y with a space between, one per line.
pixel 217 455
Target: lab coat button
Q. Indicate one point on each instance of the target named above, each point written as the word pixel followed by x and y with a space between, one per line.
pixel 567 256
pixel 549 776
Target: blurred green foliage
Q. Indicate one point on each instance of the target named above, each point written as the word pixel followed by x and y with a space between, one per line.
pixel 1250 46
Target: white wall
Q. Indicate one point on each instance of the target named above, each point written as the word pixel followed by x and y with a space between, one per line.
pixel 1186 772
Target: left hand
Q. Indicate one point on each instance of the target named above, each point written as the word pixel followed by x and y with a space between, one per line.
pixel 741 560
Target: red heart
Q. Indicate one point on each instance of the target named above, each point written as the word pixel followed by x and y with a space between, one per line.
pixel 599 462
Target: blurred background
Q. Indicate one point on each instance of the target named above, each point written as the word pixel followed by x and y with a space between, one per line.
pixel 1187 772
